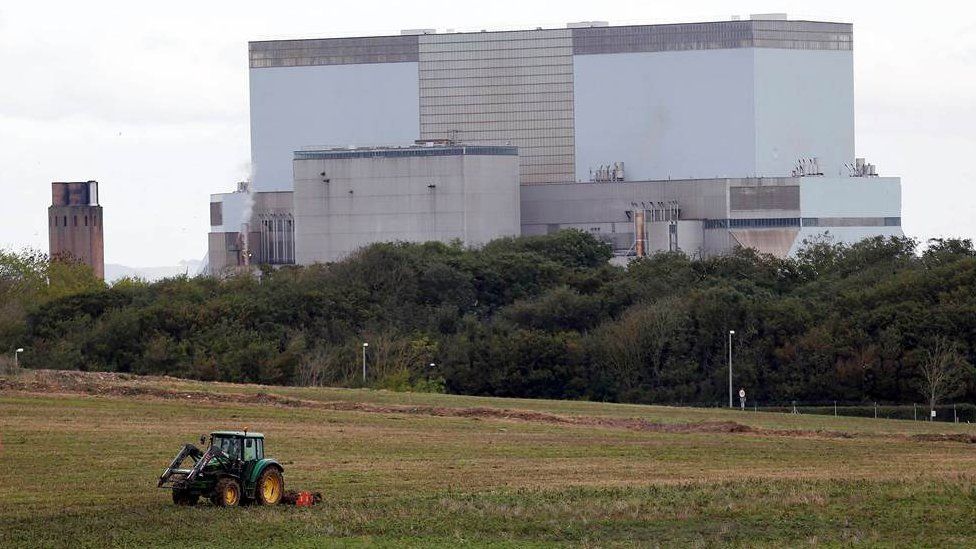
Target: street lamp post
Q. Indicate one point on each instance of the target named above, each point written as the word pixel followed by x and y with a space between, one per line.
pixel 731 333
pixel 17 357
pixel 364 362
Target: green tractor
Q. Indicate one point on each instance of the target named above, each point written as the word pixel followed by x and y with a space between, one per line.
pixel 232 471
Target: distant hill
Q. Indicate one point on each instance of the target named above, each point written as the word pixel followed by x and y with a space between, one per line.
pixel 114 272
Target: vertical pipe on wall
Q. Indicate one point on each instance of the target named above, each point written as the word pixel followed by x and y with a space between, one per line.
pixel 640 233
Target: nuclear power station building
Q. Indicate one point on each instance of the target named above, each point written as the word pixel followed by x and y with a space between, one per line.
pixel 697 137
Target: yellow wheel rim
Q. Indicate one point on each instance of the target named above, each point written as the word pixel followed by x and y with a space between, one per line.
pixel 271 488
pixel 231 495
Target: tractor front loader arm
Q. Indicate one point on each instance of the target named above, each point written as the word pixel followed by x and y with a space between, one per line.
pixel 212 453
pixel 188 450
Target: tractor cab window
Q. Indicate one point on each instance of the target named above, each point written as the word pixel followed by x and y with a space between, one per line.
pixel 229 445
pixel 250 449
pixel 260 445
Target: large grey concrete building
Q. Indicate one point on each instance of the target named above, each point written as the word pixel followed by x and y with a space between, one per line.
pixel 602 115
pixel 346 199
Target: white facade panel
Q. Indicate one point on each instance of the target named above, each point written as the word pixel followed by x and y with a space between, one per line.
pixel 833 197
pixel 666 115
pixel 235 211
pixel 804 108
pixel 334 105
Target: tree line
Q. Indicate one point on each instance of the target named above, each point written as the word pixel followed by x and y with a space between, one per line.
pixel 546 316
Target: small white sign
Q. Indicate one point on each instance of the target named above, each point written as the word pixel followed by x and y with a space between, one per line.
pixel 742 393
pixel 933 413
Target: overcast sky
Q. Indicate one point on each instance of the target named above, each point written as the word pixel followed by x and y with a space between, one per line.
pixel 150 99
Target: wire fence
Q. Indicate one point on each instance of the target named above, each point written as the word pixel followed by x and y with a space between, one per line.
pixel 949 412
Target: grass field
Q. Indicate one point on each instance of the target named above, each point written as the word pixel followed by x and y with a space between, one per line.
pixel 81 454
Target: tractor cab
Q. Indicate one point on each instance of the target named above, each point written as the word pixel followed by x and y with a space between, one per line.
pixel 239 445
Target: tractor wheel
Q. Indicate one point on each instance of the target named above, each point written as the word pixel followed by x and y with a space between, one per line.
pixel 270 486
pixel 227 493
pixel 182 497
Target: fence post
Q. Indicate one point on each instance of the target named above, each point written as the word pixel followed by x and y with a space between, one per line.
pixel 955 418
pixel 915 410
pixel 875 410
pixel 835 408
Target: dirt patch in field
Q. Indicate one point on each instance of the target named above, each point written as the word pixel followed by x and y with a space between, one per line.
pixel 943 437
pixel 114 384
pixel 128 385
pixel 634 424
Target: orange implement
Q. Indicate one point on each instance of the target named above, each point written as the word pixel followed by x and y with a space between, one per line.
pixel 304 499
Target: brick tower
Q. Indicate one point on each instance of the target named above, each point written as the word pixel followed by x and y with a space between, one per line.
pixel 75 224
